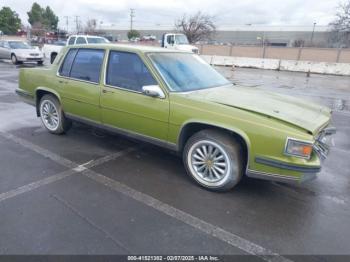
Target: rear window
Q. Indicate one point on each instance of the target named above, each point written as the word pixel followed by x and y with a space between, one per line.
pixel 96 40
pixel 87 65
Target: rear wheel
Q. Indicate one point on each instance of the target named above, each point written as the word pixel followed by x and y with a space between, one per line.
pixel 214 160
pixel 52 115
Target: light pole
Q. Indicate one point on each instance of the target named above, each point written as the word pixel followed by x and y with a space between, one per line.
pixel 312 34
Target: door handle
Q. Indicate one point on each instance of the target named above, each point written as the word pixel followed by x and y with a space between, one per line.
pixel 106 91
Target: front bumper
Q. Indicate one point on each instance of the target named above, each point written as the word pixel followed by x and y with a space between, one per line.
pixel 30 59
pixel 282 171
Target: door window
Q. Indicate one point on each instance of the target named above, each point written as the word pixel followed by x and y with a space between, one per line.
pixel 170 39
pixel 126 70
pixel 87 65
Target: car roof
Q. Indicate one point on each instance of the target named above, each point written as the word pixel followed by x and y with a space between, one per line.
pixel 131 48
pixel 94 36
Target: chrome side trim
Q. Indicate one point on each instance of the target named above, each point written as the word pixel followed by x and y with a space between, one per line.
pixel 127 133
pixel 279 164
pixel 280 178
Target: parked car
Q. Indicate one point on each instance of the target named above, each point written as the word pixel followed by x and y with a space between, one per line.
pixel 20 51
pixel 176 100
pixel 51 50
pixel 178 41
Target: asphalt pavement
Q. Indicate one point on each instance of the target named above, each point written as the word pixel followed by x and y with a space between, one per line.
pixel 90 192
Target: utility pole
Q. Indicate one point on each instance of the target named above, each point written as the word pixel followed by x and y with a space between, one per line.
pixel 132 15
pixel 312 34
pixel 67 22
pixel 77 23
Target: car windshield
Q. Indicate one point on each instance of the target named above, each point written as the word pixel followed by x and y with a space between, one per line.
pixel 96 40
pixel 181 40
pixel 19 45
pixel 186 72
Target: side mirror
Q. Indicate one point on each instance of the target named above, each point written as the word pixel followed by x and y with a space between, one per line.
pixel 153 91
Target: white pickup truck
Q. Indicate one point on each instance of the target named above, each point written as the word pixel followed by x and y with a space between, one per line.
pixel 51 50
pixel 178 42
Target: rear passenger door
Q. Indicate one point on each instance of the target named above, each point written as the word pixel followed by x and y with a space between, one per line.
pixel 79 83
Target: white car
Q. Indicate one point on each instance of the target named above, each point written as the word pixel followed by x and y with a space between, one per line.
pixel 20 51
pixel 51 50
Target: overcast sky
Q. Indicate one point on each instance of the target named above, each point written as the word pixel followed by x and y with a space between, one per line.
pixel 163 13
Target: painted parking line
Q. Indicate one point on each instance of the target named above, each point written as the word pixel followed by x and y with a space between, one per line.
pixel 74 168
pixel 201 225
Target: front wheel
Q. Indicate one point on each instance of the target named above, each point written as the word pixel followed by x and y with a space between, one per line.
pixel 52 115
pixel 214 160
pixel 14 59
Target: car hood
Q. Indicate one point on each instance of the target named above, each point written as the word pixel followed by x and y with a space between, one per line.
pixel 298 112
pixel 186 47
pixel 26 52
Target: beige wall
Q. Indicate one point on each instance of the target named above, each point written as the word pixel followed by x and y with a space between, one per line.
pixel 285 53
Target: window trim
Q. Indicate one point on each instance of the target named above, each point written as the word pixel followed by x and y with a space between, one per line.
pixel 123 88
pixel 70 69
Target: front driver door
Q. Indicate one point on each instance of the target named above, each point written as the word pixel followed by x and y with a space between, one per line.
pixel 123 104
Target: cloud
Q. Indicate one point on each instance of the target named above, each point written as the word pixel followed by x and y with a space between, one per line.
pixel 155 13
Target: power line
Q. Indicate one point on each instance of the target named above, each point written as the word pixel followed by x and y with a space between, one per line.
pixel 132 15
pixel 67 22
pixel 77 23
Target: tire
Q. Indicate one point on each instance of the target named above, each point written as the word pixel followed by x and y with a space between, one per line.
pixel 219 170
pixel 52 115
pixel 52 57
pixel 40 62
pixel 14 59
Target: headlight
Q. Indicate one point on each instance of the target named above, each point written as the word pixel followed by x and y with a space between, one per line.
pixel 298 148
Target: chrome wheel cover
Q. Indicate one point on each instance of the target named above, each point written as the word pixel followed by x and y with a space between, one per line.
pixel 209 163
pixel 49 115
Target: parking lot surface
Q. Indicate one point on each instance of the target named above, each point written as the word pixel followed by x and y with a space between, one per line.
pixel 90 192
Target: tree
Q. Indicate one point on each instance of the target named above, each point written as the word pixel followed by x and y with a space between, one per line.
pixel 196 27
pixel 42 18
pixel 90 27
pixel 9 21
pixel 133 34
pixel 299 43
pixel 340 33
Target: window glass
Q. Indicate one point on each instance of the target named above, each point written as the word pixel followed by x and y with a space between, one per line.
pixel 80 40
pixel 187 72
pixel 71 41
pixel 96 40
pixel 170 39
pixel 67 63
pixel 127 70
pixel 87 65
pixel 1 44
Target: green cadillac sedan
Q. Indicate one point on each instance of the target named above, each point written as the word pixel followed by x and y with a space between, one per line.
pixel 176 100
